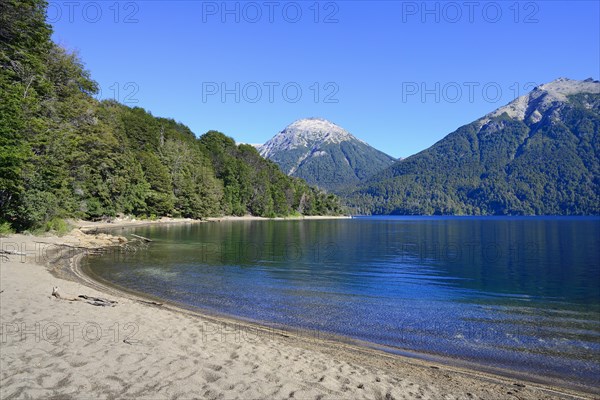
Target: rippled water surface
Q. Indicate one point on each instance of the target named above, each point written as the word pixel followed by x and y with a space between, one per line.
pixel 515 293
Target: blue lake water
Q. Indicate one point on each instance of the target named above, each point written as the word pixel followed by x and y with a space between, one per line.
pixel 521 294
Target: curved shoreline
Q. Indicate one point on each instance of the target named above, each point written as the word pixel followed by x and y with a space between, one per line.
pixel 275 363
pixel 326 339
pixel 367 349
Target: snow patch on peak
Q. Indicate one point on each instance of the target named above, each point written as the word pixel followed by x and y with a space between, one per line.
pixel 543 97
pixel 307 132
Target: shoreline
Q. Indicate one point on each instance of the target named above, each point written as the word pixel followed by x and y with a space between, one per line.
pixel 292 218
pixel 324 338
pixel 132 222
pixel 432 377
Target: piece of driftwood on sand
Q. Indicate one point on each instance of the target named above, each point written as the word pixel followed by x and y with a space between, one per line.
pixel 145 239
pixel 91 250
pixel 5 253
pixel 95 301
pixel 152 303
pixel 12 253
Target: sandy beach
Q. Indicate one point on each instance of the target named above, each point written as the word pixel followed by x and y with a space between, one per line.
pixel 129 222
pixel 69 348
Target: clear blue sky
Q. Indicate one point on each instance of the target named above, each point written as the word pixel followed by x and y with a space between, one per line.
pixel 395 68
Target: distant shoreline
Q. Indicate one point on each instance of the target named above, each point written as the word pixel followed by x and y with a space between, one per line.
pixel 133 222
pixel 292 218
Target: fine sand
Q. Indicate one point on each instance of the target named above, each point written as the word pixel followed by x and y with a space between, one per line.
pixel 58 348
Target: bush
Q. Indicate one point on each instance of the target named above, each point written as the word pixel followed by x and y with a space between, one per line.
pixel 5 229
pixel 57 225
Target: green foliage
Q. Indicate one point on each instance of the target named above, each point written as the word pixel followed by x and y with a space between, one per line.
pixel 36 208
pixel 5 229
pixel 57 226
pixel 333 166
pixel 24 42
pixel 64 154
pixel 253 185
pixel 197 192
pixel 160 199
pixel 506 167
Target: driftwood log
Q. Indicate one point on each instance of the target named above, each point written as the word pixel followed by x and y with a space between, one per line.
pixel 57 294
pixel 95 301
pixel 74 247
pixel 12 253
pixel 5 253
pixel 98 301
pixel 153 303
pixel 88 250
pixel 145 239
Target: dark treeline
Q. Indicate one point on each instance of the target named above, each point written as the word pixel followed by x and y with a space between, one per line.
pixel 65 154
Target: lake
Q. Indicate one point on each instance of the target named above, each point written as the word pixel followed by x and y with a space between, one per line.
pixel 519 294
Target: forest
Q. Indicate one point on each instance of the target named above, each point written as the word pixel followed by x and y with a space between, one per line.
pixel 65 154
pixel 505 167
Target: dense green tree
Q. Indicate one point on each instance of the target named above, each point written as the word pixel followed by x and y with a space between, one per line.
pixel 24 47
pixel 257 186
pixel 197 192
pixel 160 199
pixel 65 154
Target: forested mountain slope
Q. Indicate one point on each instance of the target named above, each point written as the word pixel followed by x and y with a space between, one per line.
pixel 539 155
pixel 324 154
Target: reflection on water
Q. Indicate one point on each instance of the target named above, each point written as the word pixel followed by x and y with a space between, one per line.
pixel 518 293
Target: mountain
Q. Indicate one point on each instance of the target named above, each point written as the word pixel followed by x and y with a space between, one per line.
pixel 324 154
pixel 538 155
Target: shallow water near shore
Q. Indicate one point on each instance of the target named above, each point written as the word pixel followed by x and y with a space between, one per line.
pixel 521 294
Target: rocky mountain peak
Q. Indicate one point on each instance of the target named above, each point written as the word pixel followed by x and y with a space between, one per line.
pixel 531 106
pixel 307 132
pixel 324 154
